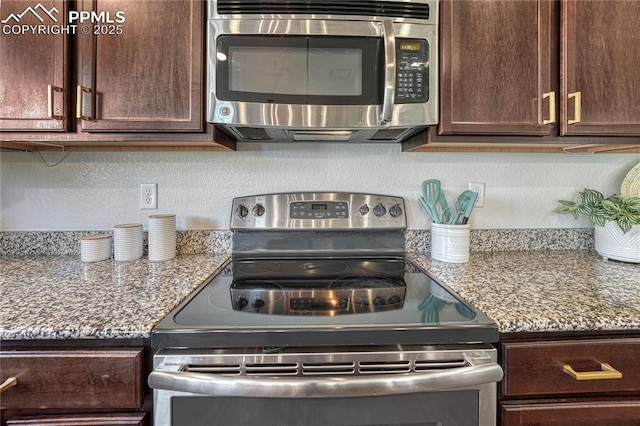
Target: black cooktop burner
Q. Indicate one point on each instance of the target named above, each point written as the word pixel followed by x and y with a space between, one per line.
pixel 317 287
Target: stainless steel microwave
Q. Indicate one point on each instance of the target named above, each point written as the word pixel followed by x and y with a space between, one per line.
pixel 351 71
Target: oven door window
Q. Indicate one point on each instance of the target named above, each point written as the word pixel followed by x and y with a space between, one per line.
pixel 308 70
pixel 454 408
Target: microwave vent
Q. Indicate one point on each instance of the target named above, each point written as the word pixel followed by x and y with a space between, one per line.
pixel 394 9
pixel 252 133
pixel 389 134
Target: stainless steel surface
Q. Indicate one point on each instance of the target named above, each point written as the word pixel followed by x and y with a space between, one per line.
pixel 335 122
pixel 365 212
pixel 409 13
pixel 284 375
pixel 389 72
pixel 425 358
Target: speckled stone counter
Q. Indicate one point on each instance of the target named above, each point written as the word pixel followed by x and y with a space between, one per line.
pixel 537 291
pixel 59 297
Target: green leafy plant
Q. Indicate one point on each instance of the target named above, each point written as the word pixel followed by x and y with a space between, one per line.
pixel 624 211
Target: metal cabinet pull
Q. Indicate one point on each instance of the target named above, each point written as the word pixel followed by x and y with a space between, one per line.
pixel 50 93
pixel 552 107
pixel 10 382
pixel 576 107
pixel 81 90
pixel 606 372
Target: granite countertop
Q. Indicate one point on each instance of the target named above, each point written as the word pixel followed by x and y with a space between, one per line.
pixel 546 290
pixel 59 297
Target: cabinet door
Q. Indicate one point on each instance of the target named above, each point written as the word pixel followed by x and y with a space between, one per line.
pixel 496 67
pixel 600 79
pixel 33 65
pixel 146 74
pixel 580 413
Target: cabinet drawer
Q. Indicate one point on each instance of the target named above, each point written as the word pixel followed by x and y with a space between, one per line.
pixel 537 368
pixel 73 379
pixel 111 419
pixel 593 412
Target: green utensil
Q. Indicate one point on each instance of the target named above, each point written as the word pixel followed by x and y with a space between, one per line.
pixel 431 194
pixel 430 212
pixel 465 204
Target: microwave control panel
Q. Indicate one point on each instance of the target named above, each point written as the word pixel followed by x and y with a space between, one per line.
pixel 412 71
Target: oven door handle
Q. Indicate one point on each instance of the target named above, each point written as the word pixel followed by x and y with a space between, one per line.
pixel 389 72
pixel 322 387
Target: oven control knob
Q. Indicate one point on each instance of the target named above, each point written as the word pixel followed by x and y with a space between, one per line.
pixel 379 301
pixel 257 304
pixel 379 210
pixel 364 209
pixel 395 210
pixel 241 302
pixel 242 211
pixel 394 300
pixel 258 210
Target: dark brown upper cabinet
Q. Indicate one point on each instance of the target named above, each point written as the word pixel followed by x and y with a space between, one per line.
pixel 496 67
pixel 34 69
pixel 542 68
pixel 130 76
pixel 145 74
pixel 600 77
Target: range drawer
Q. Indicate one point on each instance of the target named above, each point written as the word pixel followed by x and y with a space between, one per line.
pixel 594 366
pixel 73 379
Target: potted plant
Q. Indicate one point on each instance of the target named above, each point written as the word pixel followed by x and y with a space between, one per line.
pixel 616 220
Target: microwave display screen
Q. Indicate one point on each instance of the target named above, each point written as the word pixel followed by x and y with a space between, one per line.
pixel 296 71
pixel 410 45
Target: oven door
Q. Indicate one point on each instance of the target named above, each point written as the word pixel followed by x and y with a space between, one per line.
pixel 318 74
pixel 462 395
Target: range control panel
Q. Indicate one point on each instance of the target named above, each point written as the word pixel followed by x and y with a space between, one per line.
pixel 318 211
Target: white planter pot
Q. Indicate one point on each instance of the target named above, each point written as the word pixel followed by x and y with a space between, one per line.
pixel 611 243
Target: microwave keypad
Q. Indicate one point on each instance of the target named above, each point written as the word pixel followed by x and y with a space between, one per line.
pixel 412 71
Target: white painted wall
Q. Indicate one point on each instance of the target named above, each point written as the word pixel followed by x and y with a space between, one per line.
pixel 94 191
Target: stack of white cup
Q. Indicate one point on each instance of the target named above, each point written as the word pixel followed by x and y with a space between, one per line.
pixel 162 237
pixel 127 241
pixel 95 248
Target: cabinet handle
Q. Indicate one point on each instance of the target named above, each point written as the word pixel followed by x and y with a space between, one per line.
pixel 10 382
pixel 81 90
pixel 552 107
pixel 50 93
pixel 576 107
pixel 606 372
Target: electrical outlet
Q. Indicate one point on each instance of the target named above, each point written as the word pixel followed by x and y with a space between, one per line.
pixel 148 196
pixel 478 187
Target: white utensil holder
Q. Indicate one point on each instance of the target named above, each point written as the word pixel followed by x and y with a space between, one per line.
pixel 450 243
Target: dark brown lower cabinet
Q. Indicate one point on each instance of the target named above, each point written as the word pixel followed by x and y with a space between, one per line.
pixel 74 386
pixel 584 413
pixel 111 419
pixel 564 381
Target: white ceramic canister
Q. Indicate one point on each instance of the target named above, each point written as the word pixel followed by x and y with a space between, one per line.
pixel 128 241
pixel 450 243
pixel 162 237
pixel 95 248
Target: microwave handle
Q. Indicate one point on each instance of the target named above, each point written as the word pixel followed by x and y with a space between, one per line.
pixel 389 72
pixel 167 378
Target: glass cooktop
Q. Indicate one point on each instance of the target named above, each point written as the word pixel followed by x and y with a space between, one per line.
pixel 322 302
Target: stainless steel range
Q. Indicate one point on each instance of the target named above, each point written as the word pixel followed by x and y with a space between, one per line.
pixel 319 319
